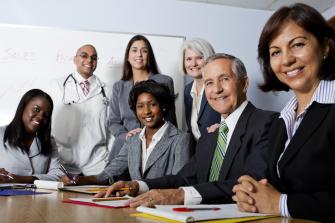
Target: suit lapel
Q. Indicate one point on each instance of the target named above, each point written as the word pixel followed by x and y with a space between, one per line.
pixel 314 116
pixel 161 146
pixel 236 140
pixel 278 138
pixel 202 105
pixel 188 100
pixel 136 158
pixel 206 153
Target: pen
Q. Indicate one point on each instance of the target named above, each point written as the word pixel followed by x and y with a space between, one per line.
pixel 109 199
pixel 124 188
pixel 106 188
pixel 6 175
pixel 186 209
pixel 67 173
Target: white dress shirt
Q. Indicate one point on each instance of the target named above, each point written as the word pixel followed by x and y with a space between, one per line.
pixel 195 110
pixel 146 151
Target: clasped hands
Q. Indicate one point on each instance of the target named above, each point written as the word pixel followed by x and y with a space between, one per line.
pixel 149 199
pixel 256 196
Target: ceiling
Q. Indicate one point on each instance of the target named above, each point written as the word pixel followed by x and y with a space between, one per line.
pixel 320 5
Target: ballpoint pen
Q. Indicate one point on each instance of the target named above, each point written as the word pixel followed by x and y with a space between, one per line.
pixel 186 209
pixel 106 188
pixel 6 175
pixel 71 177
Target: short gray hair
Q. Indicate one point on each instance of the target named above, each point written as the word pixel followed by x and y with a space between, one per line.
pixel 199 46
pixel 237 65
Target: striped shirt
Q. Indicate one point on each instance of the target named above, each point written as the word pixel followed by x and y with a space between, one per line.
pixel 324 94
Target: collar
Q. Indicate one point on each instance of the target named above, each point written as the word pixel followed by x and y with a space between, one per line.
pixel 324 94
pixel 232 119
pixel 193 92
pixel 80 79
pixel 158 135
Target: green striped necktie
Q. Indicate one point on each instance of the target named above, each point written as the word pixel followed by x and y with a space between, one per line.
pixel 219 153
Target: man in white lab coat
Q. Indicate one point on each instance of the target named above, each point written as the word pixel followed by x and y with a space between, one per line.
pixel 80 115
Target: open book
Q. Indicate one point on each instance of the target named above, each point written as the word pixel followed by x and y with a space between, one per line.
pixel 55 185
pixel 192 213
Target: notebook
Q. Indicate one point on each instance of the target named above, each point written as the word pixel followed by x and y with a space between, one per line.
pixel 225 211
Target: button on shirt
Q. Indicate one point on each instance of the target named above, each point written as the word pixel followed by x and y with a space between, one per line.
pixel 195 110
pixel 324 94
pixel 146 151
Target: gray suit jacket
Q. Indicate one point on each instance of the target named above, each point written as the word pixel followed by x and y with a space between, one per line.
pixel 170 154
pixel 121 118
pixel 15 161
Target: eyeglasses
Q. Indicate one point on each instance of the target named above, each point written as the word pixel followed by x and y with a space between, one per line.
pixel 85 56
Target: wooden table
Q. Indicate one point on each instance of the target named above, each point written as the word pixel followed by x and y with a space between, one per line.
pixel 49 208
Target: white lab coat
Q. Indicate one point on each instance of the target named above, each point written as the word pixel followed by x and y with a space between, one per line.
pixel 80 128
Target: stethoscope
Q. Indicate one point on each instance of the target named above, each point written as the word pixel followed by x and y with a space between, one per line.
pixel 105 100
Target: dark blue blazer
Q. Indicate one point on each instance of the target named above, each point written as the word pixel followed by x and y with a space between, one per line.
pixel 246 154
pixel 307 174
pixel 206 117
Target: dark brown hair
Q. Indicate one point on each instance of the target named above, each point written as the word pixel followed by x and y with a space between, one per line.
pixel 310 20
pixel 127 72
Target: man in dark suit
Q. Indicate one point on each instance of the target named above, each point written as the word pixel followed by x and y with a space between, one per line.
pixel 226 84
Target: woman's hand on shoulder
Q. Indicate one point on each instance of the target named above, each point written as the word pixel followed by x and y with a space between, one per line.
pixel 133 132
pixel 213 127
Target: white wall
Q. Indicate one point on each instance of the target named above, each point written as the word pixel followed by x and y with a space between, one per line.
pixel 231 30
pixel 329 13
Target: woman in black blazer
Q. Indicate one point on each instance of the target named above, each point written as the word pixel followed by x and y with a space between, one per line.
pixel 199 114
pixel 296 52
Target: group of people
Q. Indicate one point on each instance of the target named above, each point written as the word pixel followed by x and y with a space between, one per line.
pixel 267 162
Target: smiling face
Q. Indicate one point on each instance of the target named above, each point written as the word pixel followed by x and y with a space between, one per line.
pixel 35 114
pixel 224 90
pixel 86 61
pixel 193 63
pixel 148 111
pixel 138 55
pixel 296 57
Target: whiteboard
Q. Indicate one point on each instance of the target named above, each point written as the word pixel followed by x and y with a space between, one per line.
pixel 31 57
